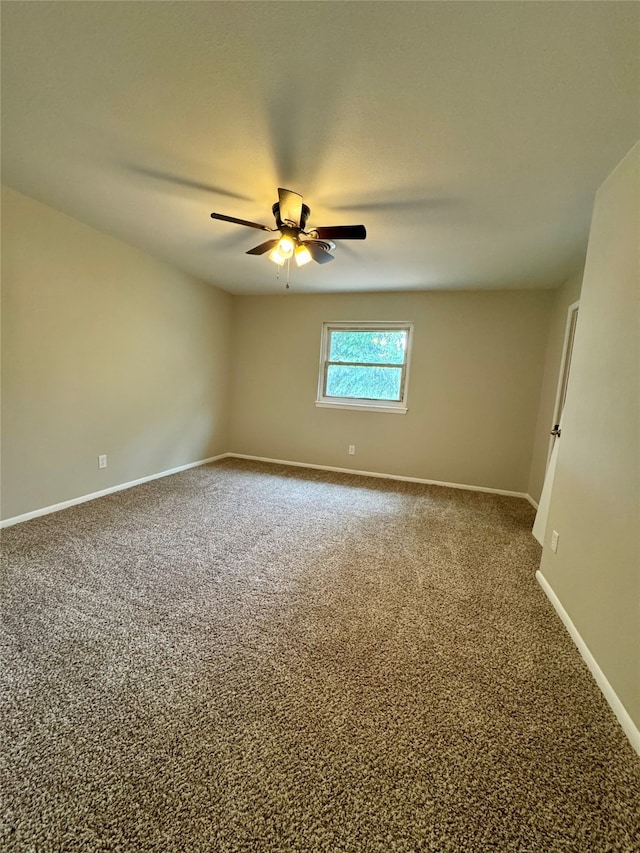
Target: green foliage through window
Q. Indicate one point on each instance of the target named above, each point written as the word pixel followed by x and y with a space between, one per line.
pixel 367 383
pixel 366 364
pixel 368 347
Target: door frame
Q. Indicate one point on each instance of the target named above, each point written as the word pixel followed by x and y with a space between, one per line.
pixel 539 529
pixel 565 366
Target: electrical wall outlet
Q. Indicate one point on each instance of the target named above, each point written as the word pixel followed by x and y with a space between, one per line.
pixel 554 541
pixel 102 461
pixel 352 450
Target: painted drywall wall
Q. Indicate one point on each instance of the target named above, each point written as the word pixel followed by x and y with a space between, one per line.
pixel 563 297
pixel 104 351
pixel 595 503
pixel 474 385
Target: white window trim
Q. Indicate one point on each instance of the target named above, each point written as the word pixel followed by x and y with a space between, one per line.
pixel 322 401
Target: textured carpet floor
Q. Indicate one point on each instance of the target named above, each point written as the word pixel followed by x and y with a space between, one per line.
pixel 246 657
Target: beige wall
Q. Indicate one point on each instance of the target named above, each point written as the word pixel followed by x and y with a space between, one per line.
pixel 473 392
pixel 104 350
pixel 563 297
pixel 595 503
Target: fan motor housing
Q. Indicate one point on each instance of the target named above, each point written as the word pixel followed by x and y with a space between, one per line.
pixel 304 215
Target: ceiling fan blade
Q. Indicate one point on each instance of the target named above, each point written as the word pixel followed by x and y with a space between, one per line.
pixel 406 205
pixel 318 252
pixel 290 206
pixel 185 182
pixel 341 232
pixel 263 247
pixel 240 221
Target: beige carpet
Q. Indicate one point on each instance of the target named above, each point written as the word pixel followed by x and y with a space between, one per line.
pixel 246 657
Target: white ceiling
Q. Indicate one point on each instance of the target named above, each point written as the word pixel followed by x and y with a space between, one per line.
pixel 469 138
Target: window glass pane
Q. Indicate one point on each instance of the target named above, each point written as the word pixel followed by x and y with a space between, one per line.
pixel 375 347
pixel 369 383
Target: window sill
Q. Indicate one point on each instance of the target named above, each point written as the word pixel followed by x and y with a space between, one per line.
pixel 362 407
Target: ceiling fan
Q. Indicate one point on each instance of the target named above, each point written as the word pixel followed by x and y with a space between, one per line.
pixel 294 242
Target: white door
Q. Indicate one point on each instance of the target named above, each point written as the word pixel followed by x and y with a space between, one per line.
pixel 540 524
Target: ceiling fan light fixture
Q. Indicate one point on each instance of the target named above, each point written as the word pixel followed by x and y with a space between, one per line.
pixel 276 257
pixel 303 255
pixel 285 247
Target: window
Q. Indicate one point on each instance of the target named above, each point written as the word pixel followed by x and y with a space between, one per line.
pixel 365 366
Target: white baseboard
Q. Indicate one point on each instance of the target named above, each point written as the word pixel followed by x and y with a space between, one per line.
pixel 377 474
pixel 8 522
pixel 46 510
pixel 531 501
pixel 628 726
